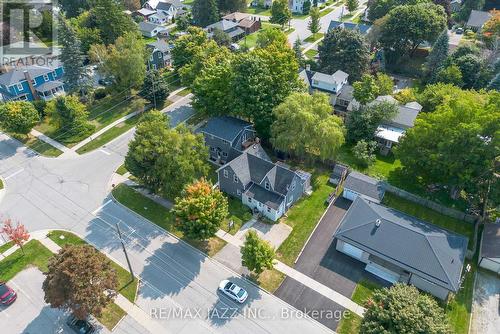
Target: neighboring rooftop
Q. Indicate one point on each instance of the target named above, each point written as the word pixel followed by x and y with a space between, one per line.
pixel 478 18
pixel 362 28
pixel 335 78
pixel 17 75
pixel 490 244
pixel 223 25
pixel 365 185
pixel 236 16
pixel 160 45
pixel 406 115
pixel 416 246
pixel 148 27
pixel 225 127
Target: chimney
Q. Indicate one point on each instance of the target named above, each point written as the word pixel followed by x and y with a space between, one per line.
pixel 27 76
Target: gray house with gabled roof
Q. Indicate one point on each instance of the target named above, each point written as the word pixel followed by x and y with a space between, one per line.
pixel 400 248
pixel 247 172
pixel 360 185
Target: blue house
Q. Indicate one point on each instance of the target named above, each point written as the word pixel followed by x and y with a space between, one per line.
pixel 30 83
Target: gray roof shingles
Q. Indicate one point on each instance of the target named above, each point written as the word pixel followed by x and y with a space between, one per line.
pixel 478 18
pixel 412 244
pixel 17 75
pixel 269 198
pixel 225 127
pixel 364 185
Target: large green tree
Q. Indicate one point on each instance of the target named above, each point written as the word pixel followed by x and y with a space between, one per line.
pixel 75 76
pixel 74 8
pixel 18 117
pixel 165 159
pixel 70 116
pixel 344 50
pixel 403 309
pixel 306 127
pixel 257 254
pixel 352 5
pixel 205 12
pixel 200 210
pixel 109 18
pixel 369 87
pixel 468 6
pixel 123 62
pixel 455 145
pixel 435 95
pixel 155 88
pixel 230 6
pixel 80 279
pixel 314 24
pixel 361 123
pixel 188 45
pixel 280 12
pixel 379 8
pixel 437 56
pixel 408 26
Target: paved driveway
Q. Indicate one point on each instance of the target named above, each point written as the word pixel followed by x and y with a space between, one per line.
pixel 322 262
pixel 486 304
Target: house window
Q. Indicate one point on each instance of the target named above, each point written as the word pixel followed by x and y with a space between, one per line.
pixel 212 149
pixel 267 185
pixel 224 154
pixel 293 185
pixel 235 178
pixel 260 204
pixel 45 77
pixel 269 209
pixel 20 87
pixel 226 173
pixel 249 200
pixel 238 192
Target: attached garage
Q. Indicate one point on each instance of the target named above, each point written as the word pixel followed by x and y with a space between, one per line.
pixel 350 250
pixel 490 248
pixel 350 194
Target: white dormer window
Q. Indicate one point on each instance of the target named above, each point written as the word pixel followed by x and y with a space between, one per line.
pixel 45 77
pixel 268 186
pixel 235 178
pixel 226 173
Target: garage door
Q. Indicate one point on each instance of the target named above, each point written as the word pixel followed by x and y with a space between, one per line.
pixel 490 264
pixel 382 272
pixel 352 251
pixel 349 194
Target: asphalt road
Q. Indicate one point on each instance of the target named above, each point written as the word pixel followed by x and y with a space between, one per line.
pixel 73 194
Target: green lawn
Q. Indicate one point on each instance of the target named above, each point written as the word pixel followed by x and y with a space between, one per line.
pixel 36 145
pixel 269 280
pixel 184 92
pixel 259 11
pixel 238 213
pixel 314 37
pixel 351 323
pixel 311 53
pixel 109 135
pixel 303 217
pixel 6 246
pixel 111 315
pixel 122 170
pixel 251 40
pixel 125 286
pixel 431 216
pixel 34 254
pixel 162 217
pixel 326 11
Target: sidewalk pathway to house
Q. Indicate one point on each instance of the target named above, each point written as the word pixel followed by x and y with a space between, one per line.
pixel 52 142
pixel 304 279
pixel 130 308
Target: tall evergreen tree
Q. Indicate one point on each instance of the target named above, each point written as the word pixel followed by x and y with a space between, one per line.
pixel 205 12
pixel 314 24
pixel 230 6
pixel 297 48
pixel 437 56
pixel 75 76
pixel 352 5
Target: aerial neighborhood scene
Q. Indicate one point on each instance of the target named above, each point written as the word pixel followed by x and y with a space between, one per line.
pixel 250 166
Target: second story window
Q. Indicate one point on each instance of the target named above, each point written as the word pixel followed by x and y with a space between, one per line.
pixel 226 173
pixel 235 178
pixel 20 87
pixel 268 186
pixel 45 77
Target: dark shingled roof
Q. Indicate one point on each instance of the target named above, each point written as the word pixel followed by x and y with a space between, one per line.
pixel 225 127
pixel 490 243
pixel 405 241
pixel 269 198
pixel 45 87
pixel 364 185
pixel 478 18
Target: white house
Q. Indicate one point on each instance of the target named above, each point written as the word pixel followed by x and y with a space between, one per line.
pixel 331 83
pixel 158 18
pixel 296 6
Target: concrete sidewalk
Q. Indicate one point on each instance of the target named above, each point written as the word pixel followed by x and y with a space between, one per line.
pixel 306 280
pixel 52 142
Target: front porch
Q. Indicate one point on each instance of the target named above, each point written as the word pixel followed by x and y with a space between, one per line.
pixel 50 90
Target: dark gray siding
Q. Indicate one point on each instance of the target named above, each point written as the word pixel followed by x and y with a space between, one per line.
pixel 228 185
pixel 217 147
pixel 296 193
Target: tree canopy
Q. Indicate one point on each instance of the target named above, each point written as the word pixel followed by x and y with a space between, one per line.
pixel 280 12
pixel 402 309
pixel 408 26
pixel 455 145
pixel 70 116
pixel 200 210
pixel 165 159
pixel 345 50
pixel 361 123
pixel 369 87
pixel 18 117
pixel 80 279
pixel 205 12
pixel 305 126
pixel 257 254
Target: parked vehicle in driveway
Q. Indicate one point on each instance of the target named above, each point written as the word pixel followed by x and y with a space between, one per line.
pixel 233 291
pixel 7 295
pixel 80 326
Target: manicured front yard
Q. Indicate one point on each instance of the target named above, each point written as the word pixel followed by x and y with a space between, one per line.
pixel 35 254
pixel 303 217
pixel 125 286
pixel 109 135
pixel 314 37
pixel 269 280
pixel 238 213
pixel 431 216
pixel 162 217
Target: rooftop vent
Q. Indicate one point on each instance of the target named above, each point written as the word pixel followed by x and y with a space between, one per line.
pixel 378 222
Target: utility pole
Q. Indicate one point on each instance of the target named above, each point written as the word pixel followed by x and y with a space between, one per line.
pixel 154 92
pixel 125 251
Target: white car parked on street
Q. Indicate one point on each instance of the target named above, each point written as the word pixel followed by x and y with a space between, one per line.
pixel 233 291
